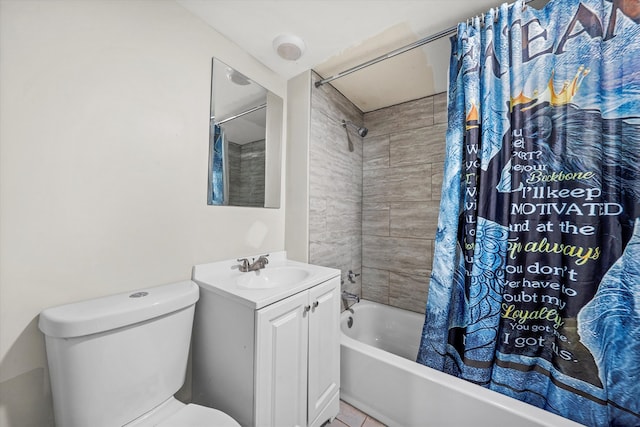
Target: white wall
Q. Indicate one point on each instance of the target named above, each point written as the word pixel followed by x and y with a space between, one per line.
pixel 103 167
pixel 297 169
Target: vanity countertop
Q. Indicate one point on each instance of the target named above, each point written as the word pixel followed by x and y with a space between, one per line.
pixel 280 279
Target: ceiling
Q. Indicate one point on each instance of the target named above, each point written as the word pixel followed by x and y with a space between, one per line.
pixel 340 34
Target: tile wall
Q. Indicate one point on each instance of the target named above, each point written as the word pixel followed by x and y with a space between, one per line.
pixel 247 173
pixel 335 184
pixel 374 210
pixel 233 158
pixel 403 159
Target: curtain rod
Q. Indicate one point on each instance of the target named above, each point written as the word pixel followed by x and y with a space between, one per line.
pixel 244 113
pixel 421 42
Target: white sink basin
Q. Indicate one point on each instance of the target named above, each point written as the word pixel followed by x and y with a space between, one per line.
pixel 272 277
pixel 280 279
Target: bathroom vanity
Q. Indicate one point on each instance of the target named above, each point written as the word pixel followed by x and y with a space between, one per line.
pixel 266 346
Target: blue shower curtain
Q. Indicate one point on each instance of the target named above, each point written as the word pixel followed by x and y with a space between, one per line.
pixel 535 287
pixel 218 168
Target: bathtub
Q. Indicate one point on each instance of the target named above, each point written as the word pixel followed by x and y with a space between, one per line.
pixel 379 376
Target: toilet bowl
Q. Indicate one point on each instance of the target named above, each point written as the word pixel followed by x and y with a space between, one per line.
pixel 118 360
pixel 173 413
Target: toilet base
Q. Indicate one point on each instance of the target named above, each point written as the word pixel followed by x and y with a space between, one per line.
pixel 173 413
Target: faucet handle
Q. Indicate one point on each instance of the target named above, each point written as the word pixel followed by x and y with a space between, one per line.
pixel 244 264
pixel 352 276
pixel 262 261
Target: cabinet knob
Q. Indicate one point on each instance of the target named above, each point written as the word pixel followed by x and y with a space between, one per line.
pixel 315 304
pixel 307 308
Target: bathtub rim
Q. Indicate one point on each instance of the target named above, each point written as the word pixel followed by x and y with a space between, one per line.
pixel 474 391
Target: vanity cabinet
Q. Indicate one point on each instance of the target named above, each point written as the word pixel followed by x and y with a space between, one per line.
pixel 271 365
pixel 298 365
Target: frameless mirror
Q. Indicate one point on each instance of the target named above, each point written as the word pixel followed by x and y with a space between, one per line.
pixel 245 132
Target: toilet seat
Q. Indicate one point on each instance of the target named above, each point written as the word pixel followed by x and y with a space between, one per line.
pixel 193 415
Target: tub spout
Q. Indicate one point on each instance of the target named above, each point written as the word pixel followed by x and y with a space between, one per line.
pixel 346 296
pixel 349 296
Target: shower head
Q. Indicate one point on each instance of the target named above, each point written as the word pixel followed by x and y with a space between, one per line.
pixel 362 131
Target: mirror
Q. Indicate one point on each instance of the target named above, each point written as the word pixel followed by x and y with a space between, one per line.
pixel 245 133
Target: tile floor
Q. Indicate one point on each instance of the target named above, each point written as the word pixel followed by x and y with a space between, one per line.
pixel 353 417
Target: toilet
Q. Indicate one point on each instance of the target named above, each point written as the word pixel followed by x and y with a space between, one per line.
pixel 118 360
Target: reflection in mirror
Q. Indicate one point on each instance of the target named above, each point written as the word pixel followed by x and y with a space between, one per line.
pixel 244 141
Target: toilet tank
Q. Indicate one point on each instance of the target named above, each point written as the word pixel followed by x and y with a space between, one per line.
pixel 114 358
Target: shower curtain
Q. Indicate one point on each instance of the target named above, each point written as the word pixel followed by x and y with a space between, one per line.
pixel 219 168
pixel 535 287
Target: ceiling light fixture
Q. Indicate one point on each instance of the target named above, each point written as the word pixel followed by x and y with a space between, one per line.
pixel 288 46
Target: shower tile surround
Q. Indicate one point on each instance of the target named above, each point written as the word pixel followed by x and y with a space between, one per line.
pixel 403 161
pixel 335 184
pixel 247 168
pixel 375 210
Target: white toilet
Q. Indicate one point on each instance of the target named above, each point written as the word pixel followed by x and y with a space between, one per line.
pixel 118 360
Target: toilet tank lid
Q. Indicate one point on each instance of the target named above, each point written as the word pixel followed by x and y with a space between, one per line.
pixel 115 311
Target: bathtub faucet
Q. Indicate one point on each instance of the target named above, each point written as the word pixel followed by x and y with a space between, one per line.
pixel 346 296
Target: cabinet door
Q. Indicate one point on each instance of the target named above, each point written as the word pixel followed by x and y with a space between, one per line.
pixel 281 363
pixel 324 348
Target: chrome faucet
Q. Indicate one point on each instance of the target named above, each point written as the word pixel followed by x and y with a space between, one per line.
pixel 346 296
pixel 352 276
pixel 254 265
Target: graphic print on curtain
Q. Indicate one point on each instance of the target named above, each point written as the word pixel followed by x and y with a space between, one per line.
pixel 217 191
pixel 540 211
